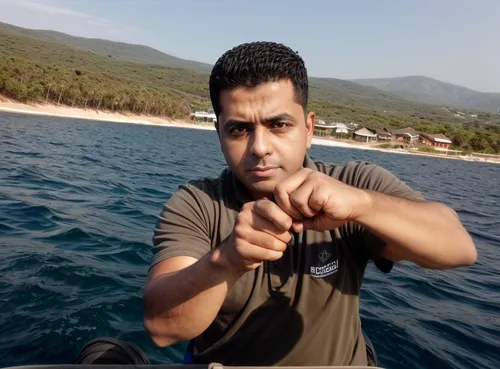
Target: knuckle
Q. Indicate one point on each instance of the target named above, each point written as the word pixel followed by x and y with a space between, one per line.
pixel 288 237
pixel 268 243
pixel 239 248
pixel 247 206
pixel 301 205
pixel 240 216
pixel 240 230
pixel 271 243
pixel 282 223
pixel 274 244
pixel 307 212
pixel 279 190
pixel 313 174
pixel 243 216
pixel 260 202
pixel 294 198
pixel 297 203
pixel 259 205
pixel 238 222
pixel 287 222
pixel 280 246
pixel 273 255
pixel 316 203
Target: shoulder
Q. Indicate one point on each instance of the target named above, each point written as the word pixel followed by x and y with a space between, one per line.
pixel 369 176
pixel 203 190
pixel 185 226
pixel 352 172
pixel 192 207
pixel 202 199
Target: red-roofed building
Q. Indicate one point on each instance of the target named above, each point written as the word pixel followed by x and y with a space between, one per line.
pixel 440 141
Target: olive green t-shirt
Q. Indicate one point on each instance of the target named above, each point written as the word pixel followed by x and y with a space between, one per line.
pixel 300 310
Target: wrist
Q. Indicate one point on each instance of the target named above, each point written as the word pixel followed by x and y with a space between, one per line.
pixel 223 264
pixel 364 206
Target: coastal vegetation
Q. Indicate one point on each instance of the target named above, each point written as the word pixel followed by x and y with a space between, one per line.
pixel 27 81
pixel 424 148
pixel 36 71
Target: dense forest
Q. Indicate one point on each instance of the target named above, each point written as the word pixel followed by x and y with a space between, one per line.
pixel 26 81
pixel 44 72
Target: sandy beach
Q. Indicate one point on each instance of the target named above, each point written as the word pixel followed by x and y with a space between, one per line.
pixel 91 114
pixel 50 110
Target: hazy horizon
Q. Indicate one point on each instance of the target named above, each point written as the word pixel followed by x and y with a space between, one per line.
pixel 451 41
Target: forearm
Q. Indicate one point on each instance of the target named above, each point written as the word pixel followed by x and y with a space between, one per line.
pixel 427 233
pixel 181 305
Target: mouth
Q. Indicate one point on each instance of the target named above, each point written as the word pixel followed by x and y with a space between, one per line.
pixel 263 172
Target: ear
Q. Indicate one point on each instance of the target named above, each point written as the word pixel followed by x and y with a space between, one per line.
pixel 216 123
pixel 310 124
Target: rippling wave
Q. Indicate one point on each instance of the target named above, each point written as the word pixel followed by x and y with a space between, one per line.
pixel 78 203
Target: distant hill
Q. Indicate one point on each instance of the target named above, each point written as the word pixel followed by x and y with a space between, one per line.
pixel 349 93
pixel 118 50
pixel 430 91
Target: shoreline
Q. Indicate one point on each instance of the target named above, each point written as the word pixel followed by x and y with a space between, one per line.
pixel 50 110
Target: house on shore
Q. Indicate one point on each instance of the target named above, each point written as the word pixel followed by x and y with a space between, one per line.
pixel 439 141
pixel 364 135
pixel 337 129
pixel 352 126
pixel 321 124
pixel 204 116
pixel 323 129
pixel 382 134
pixel 407 135
pixel 341 128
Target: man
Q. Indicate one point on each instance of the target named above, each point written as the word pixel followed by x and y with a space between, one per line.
pixel 263 265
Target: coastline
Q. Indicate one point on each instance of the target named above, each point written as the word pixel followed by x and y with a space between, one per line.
pixel 50 110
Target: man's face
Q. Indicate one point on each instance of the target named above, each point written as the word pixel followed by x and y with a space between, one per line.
pixel 264 134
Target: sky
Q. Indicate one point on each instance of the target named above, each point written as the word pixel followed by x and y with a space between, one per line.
pixel 455 41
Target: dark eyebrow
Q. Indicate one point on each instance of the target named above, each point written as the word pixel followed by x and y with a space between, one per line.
pixel 279 118
pixel 272 119
pixel 234 122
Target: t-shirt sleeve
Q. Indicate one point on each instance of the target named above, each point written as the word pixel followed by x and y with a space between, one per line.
pixel 182 227
pixel 375 178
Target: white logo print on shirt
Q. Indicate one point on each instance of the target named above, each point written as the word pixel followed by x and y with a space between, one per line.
pixel 324 269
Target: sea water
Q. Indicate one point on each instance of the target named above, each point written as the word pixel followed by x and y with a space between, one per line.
pixel 78 203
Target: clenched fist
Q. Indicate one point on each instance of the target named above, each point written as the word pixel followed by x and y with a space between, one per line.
pixel 261 233
pixel 319 202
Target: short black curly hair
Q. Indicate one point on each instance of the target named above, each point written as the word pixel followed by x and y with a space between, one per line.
pixel 251 64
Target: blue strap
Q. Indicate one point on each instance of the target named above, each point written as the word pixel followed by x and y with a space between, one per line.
pixel 188 359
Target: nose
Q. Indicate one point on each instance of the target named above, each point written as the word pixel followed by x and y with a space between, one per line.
pixel 261 143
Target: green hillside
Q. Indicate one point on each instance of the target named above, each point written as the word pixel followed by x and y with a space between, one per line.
pixel 118 50
pixel 331 90
pixel 189 83
pixel 341 92
pixel 32 70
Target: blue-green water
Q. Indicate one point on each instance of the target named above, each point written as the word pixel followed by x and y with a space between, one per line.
pixel 78 202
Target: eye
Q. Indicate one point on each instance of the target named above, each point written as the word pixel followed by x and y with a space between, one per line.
pixel 238 130
pixel 279 125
